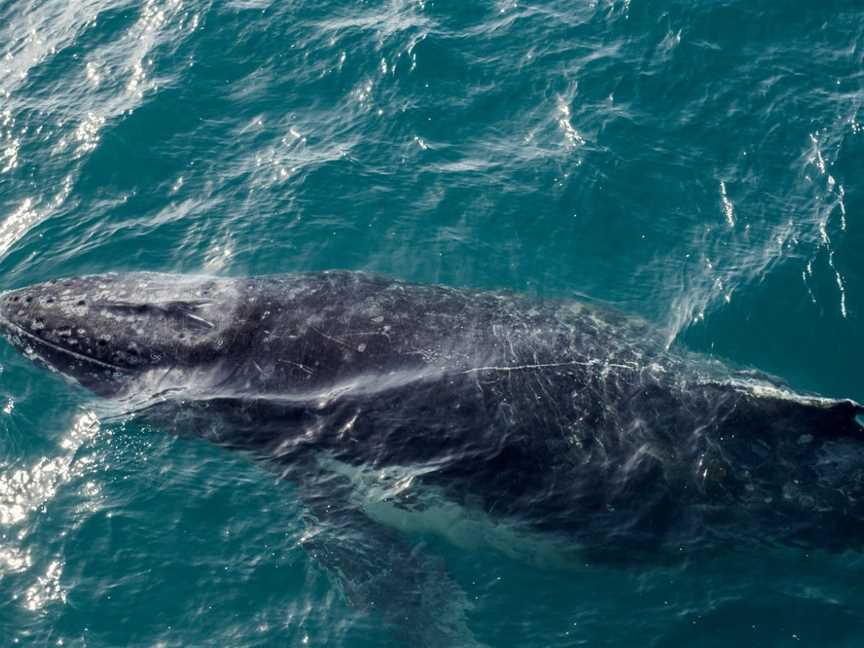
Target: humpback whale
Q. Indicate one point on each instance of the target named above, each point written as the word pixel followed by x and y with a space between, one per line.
pixel 382 399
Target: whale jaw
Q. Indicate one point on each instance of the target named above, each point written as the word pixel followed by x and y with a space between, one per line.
pixel 105 331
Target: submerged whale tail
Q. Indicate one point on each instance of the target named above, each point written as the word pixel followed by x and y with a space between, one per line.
pixel 767 405
pixel 793 466
pixel 827 418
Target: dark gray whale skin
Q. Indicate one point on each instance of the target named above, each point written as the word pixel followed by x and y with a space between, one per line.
pixel 567 416
pixel 560 417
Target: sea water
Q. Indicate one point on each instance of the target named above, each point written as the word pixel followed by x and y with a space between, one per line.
pixel 697 163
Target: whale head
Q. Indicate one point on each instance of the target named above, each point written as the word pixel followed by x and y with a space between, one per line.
pixel 108 331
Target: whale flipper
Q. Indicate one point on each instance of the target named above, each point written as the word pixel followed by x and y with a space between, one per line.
pixel 378 571
pixel 376 567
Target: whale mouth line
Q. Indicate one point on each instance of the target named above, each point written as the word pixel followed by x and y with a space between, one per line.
pixel 81 356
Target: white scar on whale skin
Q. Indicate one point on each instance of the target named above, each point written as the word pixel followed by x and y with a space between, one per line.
pixel 548 365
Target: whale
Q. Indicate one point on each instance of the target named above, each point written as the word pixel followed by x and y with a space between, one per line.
pixel 390 405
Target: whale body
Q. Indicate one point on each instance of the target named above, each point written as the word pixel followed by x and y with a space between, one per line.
pixel 558 418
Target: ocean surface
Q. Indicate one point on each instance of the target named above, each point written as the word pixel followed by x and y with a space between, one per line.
pixel 697 163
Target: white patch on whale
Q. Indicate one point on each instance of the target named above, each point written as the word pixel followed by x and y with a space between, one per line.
pixel 390 496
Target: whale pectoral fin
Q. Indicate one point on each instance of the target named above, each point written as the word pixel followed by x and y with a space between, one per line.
pixel 379 572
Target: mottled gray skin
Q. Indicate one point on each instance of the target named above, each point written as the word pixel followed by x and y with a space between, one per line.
pixel 561 417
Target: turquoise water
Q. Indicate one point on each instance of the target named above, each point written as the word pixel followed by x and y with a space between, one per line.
pixel 694 162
